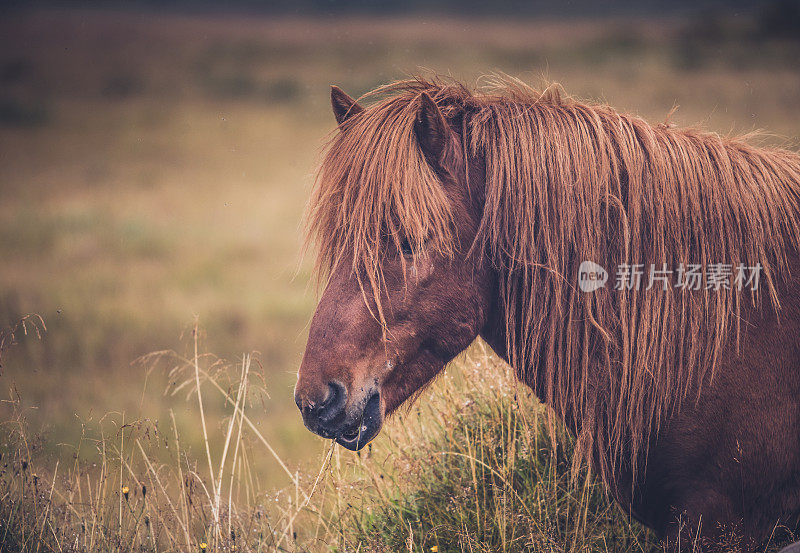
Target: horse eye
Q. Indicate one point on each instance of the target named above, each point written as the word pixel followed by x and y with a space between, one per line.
pixel 405 248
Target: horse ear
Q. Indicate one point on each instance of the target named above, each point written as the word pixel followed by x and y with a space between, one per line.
pixel 344 107
pixel 431 128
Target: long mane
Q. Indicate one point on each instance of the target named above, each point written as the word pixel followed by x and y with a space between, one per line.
pixel 568 181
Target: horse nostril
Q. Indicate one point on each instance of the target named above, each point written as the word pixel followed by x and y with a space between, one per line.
pixel 336 393
pixel 327 413
pixel 334 403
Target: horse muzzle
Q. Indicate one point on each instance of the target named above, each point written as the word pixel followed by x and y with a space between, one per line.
pixel 367 426
pixel 352 426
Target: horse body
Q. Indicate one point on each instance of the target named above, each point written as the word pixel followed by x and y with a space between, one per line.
pixel 727 463
pixel 442 215
pixel 731 459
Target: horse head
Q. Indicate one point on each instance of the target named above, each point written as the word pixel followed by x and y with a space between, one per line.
pixel 405 292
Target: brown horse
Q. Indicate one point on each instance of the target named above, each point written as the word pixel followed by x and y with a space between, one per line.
pixel 443 214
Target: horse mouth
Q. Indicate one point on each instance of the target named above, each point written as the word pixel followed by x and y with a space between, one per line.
pixel 367 428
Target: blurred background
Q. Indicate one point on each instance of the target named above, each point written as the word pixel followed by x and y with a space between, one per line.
pixel 155 158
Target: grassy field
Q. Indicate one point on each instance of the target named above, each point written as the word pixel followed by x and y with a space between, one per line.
pixel 153 171
pixel 473 468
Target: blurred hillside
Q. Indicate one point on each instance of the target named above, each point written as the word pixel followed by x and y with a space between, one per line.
pixel 154 168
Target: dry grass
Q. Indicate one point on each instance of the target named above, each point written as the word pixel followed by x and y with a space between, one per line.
pixel 473 466
pixel 141 490
pixel 469 469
